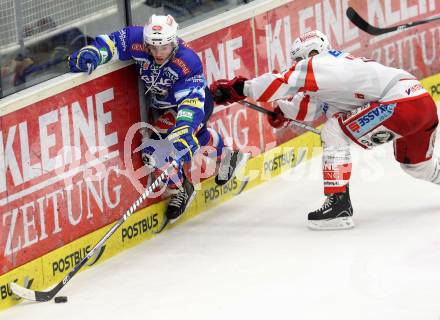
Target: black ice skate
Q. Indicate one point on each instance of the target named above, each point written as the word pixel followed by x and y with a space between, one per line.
pixel 180 200
pixel 336 213
pixel 229 164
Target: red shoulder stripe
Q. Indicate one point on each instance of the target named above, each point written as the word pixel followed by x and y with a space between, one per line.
pixel 303 106
pixel 310 82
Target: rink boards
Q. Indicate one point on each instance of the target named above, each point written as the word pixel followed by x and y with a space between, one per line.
pixel 49 269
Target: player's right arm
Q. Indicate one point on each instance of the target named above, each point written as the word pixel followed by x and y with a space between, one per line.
pixel 104 48
pixel 268 87
pixel 301 107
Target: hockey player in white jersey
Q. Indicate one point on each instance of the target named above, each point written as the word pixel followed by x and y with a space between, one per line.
pixel 365 102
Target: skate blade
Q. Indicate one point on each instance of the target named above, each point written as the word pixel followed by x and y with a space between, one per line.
pixel 163 226
pixel 331 224
pixel 167 221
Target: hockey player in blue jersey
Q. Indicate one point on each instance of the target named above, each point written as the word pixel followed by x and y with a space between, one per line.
pixel 179 98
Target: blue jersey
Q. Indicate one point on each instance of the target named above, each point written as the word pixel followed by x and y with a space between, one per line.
pixel 177 83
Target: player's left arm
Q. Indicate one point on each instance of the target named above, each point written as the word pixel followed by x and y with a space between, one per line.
pixel 190 97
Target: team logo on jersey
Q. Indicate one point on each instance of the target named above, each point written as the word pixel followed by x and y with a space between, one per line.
pixel 122 37
pixel 137 47
pixel 104 55
pixel 171 74
pixel 196 103
pixel 382 136
pixel 185 69
pixel 198 78
pixel 335 53
pixel 364 123
pixel 185 115
pixel 159 82
pixel 414 88
pixel 159 87
pixel 378 136
pixel 354 126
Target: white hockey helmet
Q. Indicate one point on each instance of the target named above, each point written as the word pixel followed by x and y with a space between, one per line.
pixel 160 30
pixel 306 43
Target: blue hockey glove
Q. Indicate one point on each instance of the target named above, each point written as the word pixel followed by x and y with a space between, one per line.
pixel 184 141
pixel 85 60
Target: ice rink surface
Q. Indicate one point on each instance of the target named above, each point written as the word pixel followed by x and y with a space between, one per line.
pixel 254 258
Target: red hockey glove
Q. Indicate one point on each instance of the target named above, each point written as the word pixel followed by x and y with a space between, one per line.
pixel 277 120
pixel 228 91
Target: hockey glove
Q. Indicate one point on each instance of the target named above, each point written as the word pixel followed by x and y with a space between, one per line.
pixel 85 60
pixel 184 141
pixel 228 91
pixel 277 120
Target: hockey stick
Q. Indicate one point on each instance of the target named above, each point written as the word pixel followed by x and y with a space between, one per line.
pixel 359 22
pixel 271 113
pixel 43 296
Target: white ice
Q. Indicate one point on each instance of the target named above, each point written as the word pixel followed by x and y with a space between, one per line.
pixel 254 258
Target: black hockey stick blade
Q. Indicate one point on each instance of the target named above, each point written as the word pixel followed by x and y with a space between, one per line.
pixel 359 22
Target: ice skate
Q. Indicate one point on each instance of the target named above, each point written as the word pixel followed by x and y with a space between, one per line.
pixel 335 214
pixel 180 200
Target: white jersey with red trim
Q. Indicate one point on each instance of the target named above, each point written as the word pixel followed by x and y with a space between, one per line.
pixel 302 107
pixel 307 107
pixel 341 80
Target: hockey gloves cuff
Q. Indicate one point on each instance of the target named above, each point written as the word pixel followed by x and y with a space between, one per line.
pixel 228 91
pixel 184 141
pixel 85 60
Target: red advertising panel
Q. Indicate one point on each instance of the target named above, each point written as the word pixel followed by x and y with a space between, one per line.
pixel 414 49
pixel 239 125
pixel 228 52
pixel 62 166
pixel 225 54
